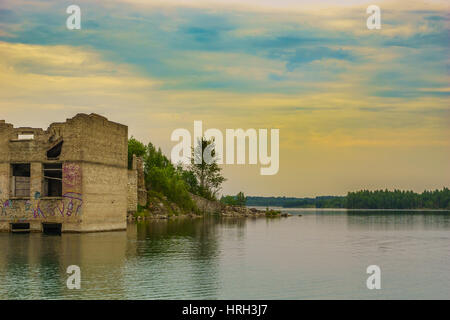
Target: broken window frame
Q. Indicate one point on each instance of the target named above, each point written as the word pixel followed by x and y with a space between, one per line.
pixel 55 151
pixel 15 167
pixel 51 179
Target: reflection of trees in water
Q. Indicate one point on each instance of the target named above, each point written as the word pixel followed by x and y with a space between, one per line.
pixel 198 230
pixel 189 246
pixel 237 224
pixel 179 257
pixel 393 219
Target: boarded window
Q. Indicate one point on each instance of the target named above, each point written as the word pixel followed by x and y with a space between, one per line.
pixel 20 180
pixel 53 180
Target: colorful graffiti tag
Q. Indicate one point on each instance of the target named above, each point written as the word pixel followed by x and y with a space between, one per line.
pixel 71 204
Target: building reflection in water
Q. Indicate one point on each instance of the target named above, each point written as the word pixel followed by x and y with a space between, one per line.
pixel 173 258
pixel 33 266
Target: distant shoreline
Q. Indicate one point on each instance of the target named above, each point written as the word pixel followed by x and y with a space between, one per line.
pixel 364 199
pixel 344 209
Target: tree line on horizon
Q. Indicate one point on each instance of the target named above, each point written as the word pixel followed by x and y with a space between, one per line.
pixel 363 199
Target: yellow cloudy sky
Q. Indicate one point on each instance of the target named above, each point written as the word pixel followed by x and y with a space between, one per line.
pixel 356 108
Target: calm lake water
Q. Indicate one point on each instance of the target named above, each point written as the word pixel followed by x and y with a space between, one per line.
pixel 320 255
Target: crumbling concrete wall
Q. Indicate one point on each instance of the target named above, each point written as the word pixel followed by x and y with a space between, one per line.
pixel 137 192
pixel 141 188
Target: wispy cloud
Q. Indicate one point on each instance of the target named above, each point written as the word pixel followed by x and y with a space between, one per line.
pixel 313 70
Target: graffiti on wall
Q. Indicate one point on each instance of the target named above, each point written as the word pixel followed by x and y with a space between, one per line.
pixel 5 206
pixel 13 210
pixel 70 205
pixel 72 174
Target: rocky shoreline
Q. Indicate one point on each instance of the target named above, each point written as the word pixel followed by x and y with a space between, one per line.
pixel 226 211
pixel 235 211
pixel 161 208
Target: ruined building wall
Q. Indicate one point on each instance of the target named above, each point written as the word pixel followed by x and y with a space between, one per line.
pixel 94 175
pixel 132 192
pixel 104 147
pixel 137 192
pixel 141 189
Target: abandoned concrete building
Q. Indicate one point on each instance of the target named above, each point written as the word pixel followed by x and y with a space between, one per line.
pixel 72 177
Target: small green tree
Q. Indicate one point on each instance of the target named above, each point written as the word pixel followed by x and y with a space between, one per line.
pixel 208 174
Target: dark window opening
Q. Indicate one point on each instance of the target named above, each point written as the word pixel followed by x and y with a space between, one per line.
pixel 53 180
pixel 55 151
pixel 52 228
pixel 20 180
pixel 20 227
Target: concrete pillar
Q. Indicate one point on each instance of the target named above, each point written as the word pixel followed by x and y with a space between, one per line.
pixel 36 179
pixel 35 192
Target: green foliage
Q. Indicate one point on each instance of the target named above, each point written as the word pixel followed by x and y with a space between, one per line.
pixel 229 200
pixel 161 176
pixel 189 178
pixel 135 147
pixel 157 198
pixel 241 199
pixel 272 213
pixel 175 183
pixel 140 208
pixel 237 200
